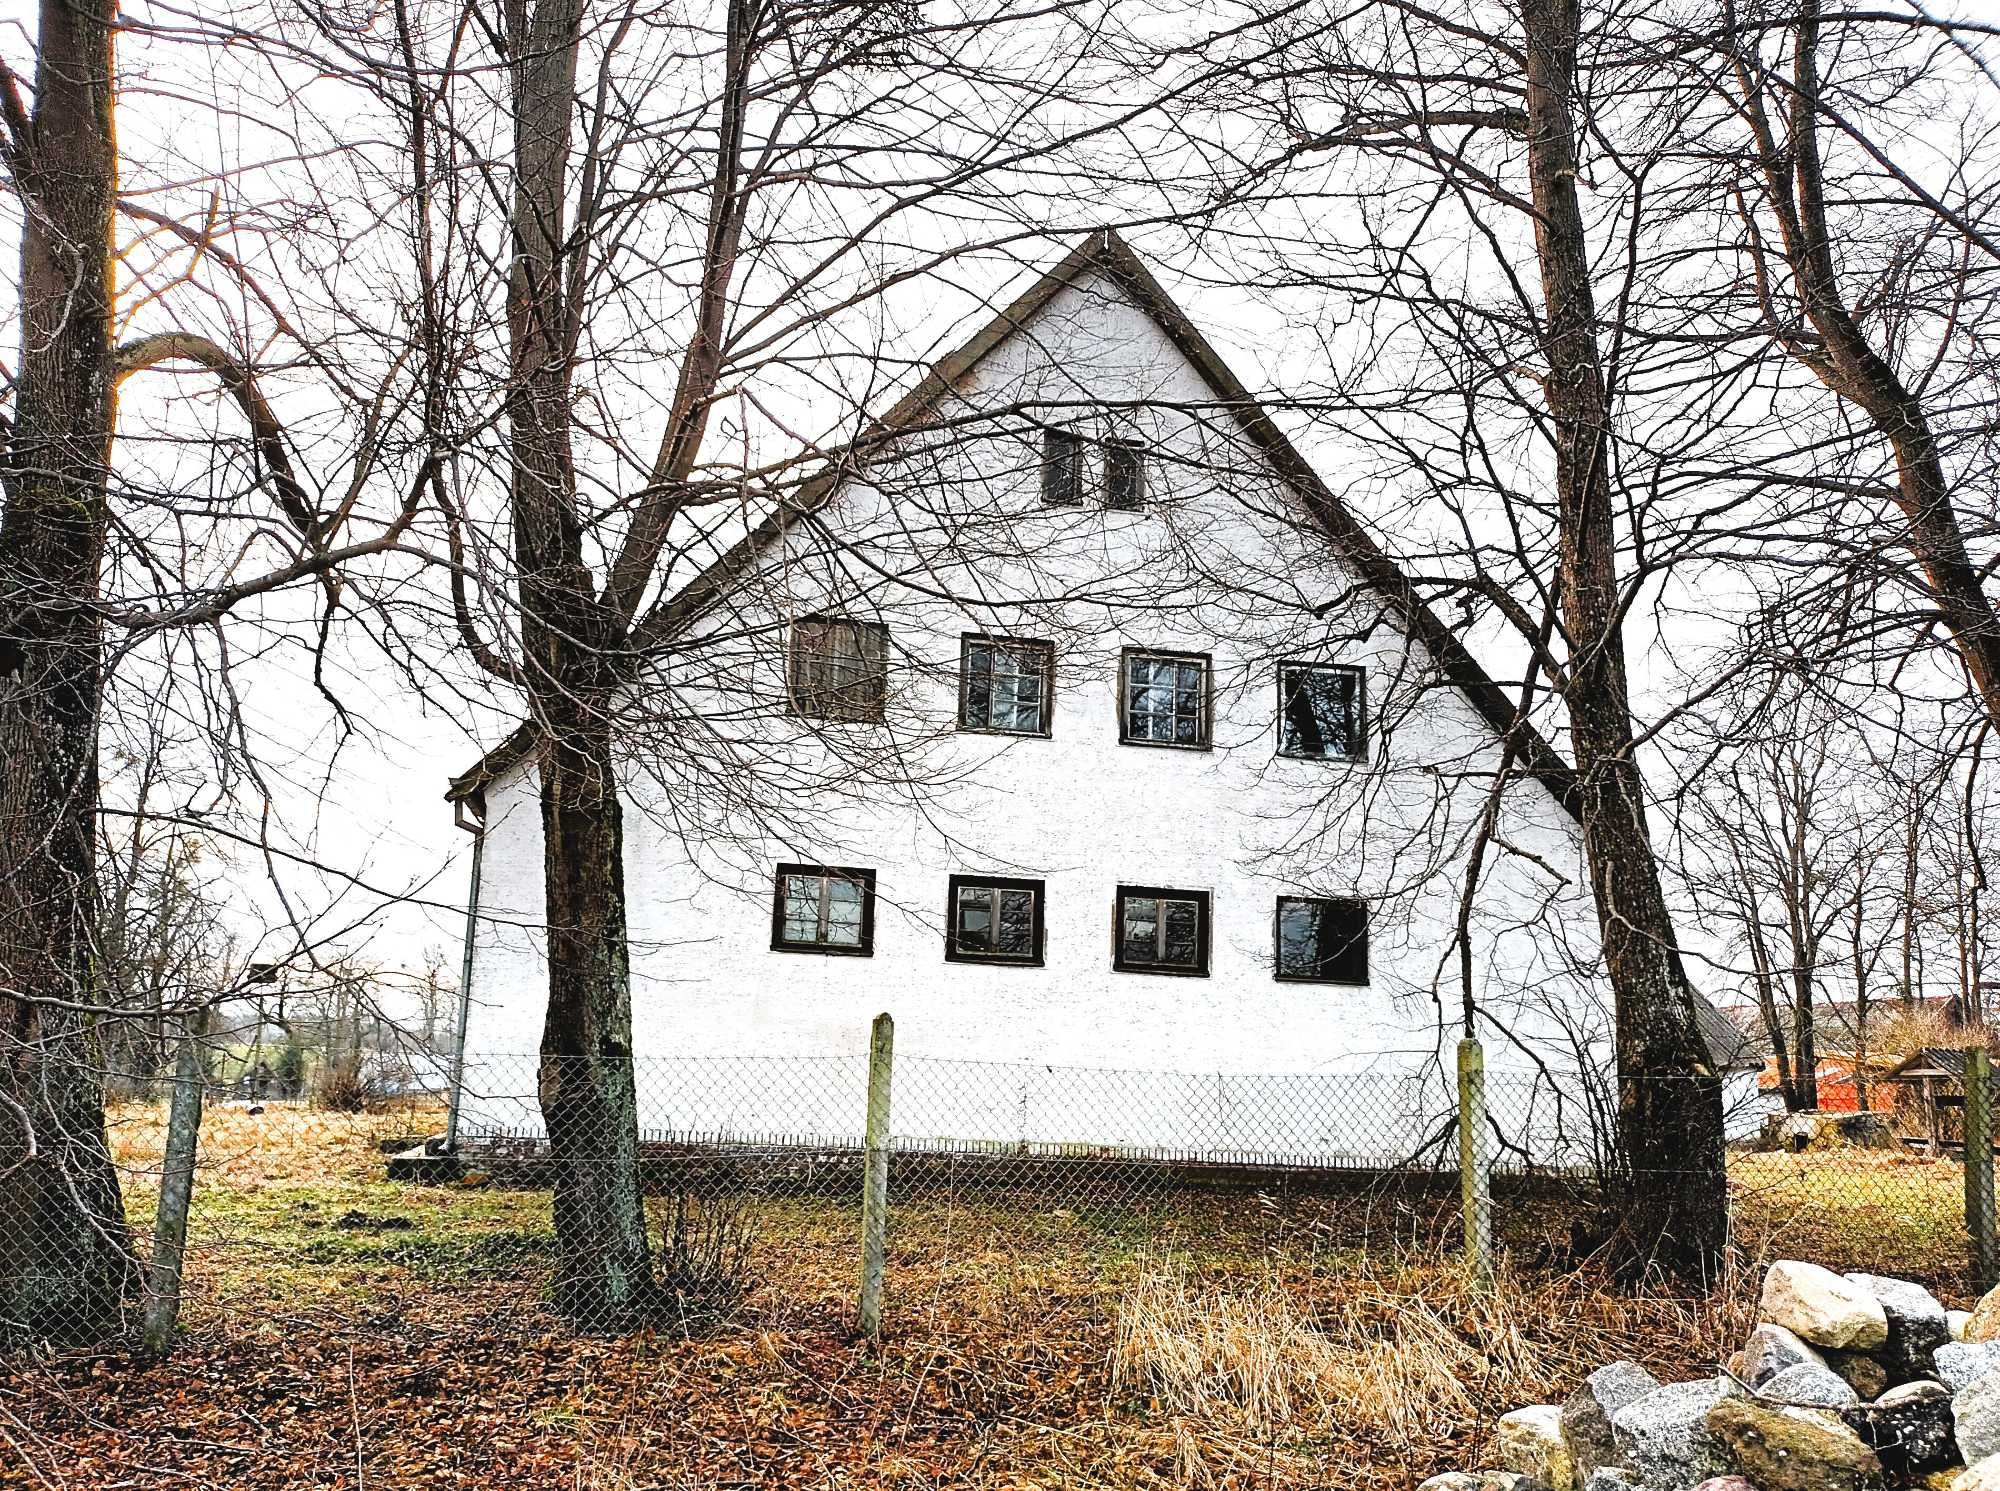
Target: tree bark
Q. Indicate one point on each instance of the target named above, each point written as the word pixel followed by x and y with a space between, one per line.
pixel 570 638
pixel 65 1267
pixel 1671 1216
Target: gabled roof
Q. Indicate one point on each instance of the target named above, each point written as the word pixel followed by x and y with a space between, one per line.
pixel 1104 251
pixel 1729 1045
pixel 1943 1062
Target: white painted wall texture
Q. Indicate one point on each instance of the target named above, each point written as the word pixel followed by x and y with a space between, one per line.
pixel 946 537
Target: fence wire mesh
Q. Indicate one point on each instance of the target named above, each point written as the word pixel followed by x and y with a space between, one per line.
pixel 732 1156
pixel 1049 1207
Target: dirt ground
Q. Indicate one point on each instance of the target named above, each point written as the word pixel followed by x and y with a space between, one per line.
pixel 343 1331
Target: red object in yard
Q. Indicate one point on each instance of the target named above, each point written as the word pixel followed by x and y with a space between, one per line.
pixel 1837 1092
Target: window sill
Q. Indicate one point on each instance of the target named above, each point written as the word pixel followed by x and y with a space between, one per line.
pixel 1324 983
pixel 1160 972
pixel 1004 734
pixel 1165 745
pixel 974 960
pixel 824 952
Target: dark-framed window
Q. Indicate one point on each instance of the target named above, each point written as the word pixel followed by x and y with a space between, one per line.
pixel 1159 930
pixel 1062 468
pixel 995 920
pixel 839 668
pixel 823 909
pixel 1322 940
pixel 1005 684
pixel 1163 699
pixel 1322 711
pixel 1124 475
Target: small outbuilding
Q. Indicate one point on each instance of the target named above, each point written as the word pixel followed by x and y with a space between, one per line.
pixel 1930 1096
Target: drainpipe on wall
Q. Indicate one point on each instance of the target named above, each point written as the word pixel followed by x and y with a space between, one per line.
pixel 474 823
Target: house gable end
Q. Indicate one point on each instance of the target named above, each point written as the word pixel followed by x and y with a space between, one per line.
pixel 1104 253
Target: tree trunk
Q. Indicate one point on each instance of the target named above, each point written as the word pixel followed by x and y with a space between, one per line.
pixel 1861 1099
pixel 65 1267
pixel 588 1095
pixel 1767 1007
pixel 1672 1215
pixel 1805 1038
pixel 569 642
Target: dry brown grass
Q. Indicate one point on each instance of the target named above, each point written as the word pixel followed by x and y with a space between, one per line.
pixel 1397 1367
pixel 1855 1209
pixel 277 1145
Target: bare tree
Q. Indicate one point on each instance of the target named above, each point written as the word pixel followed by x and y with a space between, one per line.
pixel 1871 269
pixel 1433 130
pixel 65 1265
pixel 702 192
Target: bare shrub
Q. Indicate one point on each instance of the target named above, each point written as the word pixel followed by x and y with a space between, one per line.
pixel 339 1087
pixel 1901 1029
pixel 705 1247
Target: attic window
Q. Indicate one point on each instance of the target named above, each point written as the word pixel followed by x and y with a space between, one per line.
pixel 1124 475
pixel 1062 468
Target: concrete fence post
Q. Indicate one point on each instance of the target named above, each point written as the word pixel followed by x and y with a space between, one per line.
pixel 1474 1176
pixel 1979 1205
pixel 875 1174
pixel 170 1221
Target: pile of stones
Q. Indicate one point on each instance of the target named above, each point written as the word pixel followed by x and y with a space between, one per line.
pixel 1850 1382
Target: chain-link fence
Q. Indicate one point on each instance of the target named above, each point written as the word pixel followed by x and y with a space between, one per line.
pixel 719 1161
pixel 1037 1231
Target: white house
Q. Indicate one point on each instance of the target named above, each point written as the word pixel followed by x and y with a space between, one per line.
pixel 1075 722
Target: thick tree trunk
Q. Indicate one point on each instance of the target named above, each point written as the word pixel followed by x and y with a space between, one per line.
pixel 588 1095
pixel 1672 1215
pixel 569 640
pixel 65 1267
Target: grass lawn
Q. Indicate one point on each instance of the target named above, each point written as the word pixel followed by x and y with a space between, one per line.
pixel 343 1331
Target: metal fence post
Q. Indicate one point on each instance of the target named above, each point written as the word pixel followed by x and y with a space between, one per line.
pixel 170 1221
pixel 875 1174
pixel 1979 1205
pixel 1474 1180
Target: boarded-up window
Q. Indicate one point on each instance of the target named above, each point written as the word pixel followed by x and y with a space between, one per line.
pixel 839 668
